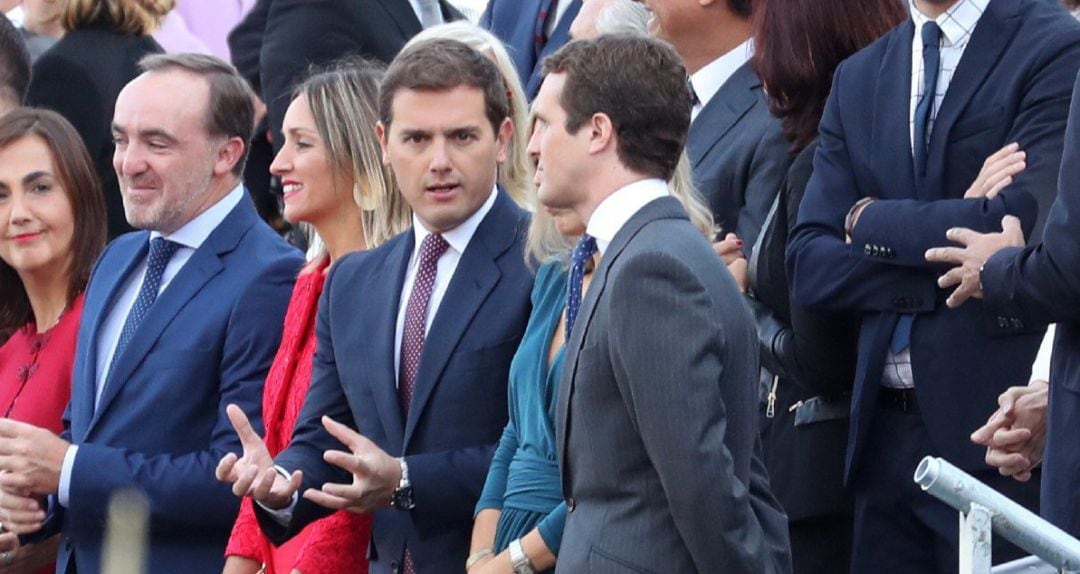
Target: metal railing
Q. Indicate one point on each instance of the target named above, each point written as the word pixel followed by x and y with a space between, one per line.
pixel 982 510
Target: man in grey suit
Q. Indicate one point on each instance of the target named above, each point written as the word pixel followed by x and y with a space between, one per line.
pixel 736 147
pixel 656 418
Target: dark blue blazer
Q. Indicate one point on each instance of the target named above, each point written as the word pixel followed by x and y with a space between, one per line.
pixel 1040 284
pixel 459 405
pixel 160 425
pixel 1012 85
pixel 513 22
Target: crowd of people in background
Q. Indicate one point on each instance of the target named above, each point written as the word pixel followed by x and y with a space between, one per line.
pixel 349 286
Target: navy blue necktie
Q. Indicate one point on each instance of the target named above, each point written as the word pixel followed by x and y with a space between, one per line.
pixel 161 251
pixel 584 251
pixel 931 51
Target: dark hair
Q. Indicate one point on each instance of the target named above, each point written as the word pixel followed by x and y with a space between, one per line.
pixel 1071 4
pixel 127 17
pixel 14 64
pixel 442 65
pixel 742 8
pixel 799 43
pixel 231 111
pixel 80 183
pixel 637 82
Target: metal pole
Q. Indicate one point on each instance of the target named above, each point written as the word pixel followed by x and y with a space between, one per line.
pixel 1012 521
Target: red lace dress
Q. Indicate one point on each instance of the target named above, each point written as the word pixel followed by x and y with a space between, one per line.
pixel 35 374
pixel 337 543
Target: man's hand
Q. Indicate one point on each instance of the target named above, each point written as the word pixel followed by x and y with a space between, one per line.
pixel 30 458
pixel 997 172
pixel 253 474
pixel 1016 433
pixel 969 259
pixel 375 474
pixel 19 514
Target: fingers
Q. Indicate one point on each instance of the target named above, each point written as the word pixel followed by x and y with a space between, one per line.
pixel 19 514
pixel 1007 400
pixel 952 277
pixel 729 249
pixel 969 287
pixel 327 500
pixel 954 255
pixel 962 235
pixel 9 541
pixel 1007 463
pixel 985 433
pixel 356 442
pixel 1010 226
pixel 245 478
pixel 248 437
pixel 1010 439
pixel 225 467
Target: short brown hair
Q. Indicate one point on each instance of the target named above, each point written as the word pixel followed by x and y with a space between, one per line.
pixel 81 185
pixel 441 65
pixel 231 112
pixel 799 43
pixel 640 84
pixel 128 17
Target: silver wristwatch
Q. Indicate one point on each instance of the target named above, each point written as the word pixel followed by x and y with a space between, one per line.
pixel 519 559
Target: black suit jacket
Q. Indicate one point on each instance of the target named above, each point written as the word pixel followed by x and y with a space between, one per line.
pixel 80 78
pixel 1013 85
pixel 459 405
pixel 300 34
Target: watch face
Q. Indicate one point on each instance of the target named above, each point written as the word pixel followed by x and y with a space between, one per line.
pixel 402 499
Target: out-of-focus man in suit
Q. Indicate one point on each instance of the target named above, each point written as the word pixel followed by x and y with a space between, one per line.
pixel 180 319
pixel 532 30
pixel 656 418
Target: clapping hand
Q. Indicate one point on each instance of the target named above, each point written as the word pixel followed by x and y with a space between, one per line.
pixel 253 474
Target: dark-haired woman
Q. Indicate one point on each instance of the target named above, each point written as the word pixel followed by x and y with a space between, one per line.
pixel 798 45
pixel 52 228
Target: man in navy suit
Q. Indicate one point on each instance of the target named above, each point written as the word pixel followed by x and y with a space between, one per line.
pixel 532 30
pixel 180 320
pixel 903 136
pixel 415 338
pixel 1036 284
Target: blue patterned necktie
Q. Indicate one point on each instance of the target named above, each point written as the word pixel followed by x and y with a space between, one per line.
pixel 931 51
pixel 161 251
pixel 584 251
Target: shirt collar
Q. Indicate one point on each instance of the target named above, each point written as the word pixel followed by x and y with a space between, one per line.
pixel 458 238
pixel 708 80
pixel 957 23
pixel 616 209
pixel 193 233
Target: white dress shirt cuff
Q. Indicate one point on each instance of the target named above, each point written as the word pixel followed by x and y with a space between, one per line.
pixel 63 492
pixel 282 516
pixel 1040 369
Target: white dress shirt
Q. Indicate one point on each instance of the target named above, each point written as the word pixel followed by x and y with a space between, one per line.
pixel 190 237
pixel 616 209
pixel 1040 369
pixel 708 80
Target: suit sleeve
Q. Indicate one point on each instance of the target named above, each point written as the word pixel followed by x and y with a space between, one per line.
pixel 180 487
pixel 913 226
pixel 679 409
pixel 1040 284
pixel 826 272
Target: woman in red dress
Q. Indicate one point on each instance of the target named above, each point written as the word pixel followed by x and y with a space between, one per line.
pixel 52 229
pixel 334 182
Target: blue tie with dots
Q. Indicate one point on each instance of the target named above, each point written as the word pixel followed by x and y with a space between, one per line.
pixel 584 251
pixel 161 251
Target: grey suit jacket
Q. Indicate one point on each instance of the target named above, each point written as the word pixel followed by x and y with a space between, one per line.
pixel 656 418
pixel 739 155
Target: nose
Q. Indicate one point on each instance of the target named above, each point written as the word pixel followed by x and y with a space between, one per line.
pixel 19 212
pixel 128 160
pixel 282 163
pixel 440 156
pixel 534 144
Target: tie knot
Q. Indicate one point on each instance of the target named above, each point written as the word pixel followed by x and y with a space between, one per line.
pixel 585 248
pixel 161 250
pixel 931 34
pixel 432 248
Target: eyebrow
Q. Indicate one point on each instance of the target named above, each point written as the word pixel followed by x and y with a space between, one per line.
pixel 147 133
pixel 28 178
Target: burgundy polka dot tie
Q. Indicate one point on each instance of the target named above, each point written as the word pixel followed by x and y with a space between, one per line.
pixel 412 336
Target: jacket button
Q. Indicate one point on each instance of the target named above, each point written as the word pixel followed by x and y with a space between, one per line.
pixel 570 504
pixel 866 249
pixel 394 567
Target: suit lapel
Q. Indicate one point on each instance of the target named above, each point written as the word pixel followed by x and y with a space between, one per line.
pixel 722 112
pixel 993 33
pixel 890 139
pixel 389 297
pixel 204 264
pixel 98 309
pixel 475 277
pixel 559 36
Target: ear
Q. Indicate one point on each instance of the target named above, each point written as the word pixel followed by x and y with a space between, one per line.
pixel 506 133
pixel 601 133
pixel 228 156
pixel 383 134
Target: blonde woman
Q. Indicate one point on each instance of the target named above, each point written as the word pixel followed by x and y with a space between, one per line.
pixel 81 75
pixel 335 183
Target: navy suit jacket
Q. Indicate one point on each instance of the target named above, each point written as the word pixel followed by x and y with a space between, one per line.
pixel 1039 284
pixel 513 22
pixel 160 425
pixel 459 404
pixel 1012 85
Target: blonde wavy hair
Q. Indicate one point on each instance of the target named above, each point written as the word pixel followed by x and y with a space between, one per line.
pixel 128 17
pixel 516 173
pixel 344 103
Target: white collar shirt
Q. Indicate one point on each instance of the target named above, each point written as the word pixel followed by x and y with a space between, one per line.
pixel 708 80
pixel 616 209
